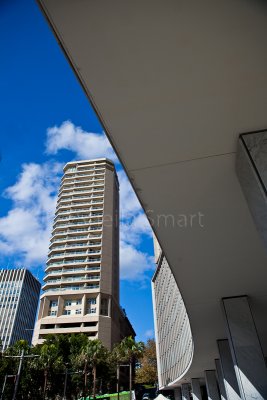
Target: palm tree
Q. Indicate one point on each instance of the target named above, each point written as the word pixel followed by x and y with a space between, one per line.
pixel 93 353
pixel 49 357
pixel 129 350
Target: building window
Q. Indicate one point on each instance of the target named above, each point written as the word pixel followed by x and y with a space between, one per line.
pixel 78 302
pixel 104 307
pixel 78 311
pixel 68 303
pixel 53 313
pixel 91 300
pixel 67 312
pixel 92 310
pixel 53 303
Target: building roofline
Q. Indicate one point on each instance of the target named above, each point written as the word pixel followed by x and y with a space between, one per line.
pixel 88 161
pixel 21 269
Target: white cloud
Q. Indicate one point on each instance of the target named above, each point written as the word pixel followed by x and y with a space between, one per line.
pixel 140 224
pixel 134 263
pixel 149 333
pixel 133 229
pixel 86 145
pixel 26 229
pixel 129 204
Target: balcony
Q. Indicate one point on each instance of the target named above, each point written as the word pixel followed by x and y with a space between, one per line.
pixel 68 217
pixel 73 262
pixel 55 231
pixel 58 225
pixel 78 261
pixel 71 271
pixel 82 237
pixel 81 278
pixel 79 179
pixel 72 185
pixel 63 203
pixel 72 192
pixel 79 245
pixel 77 230
pixel 72 253
pixel 70 238
pixel 62 218
pixel 69 231
pixel 67 207
pixel 88 183
pixel 85 221
pixel 72 288
pixel 65 199
pixel 90 175
pixel 69 246
pixel 91 169
pixel 95 236
pixel 81 261
pixel 55 272
pixel 70 210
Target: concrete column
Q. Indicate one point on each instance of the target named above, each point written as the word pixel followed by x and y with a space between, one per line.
pixel 246 349
pixel 177 394
pixel 212 387
pixel 60 307
pixel 98 304
pixel 45 308
pixel 109 306
pixel 220 379
pixel 251 166
pixel 196 391
pixel 228 371
pixel 41 308
pixel 84 305
pixel 185 391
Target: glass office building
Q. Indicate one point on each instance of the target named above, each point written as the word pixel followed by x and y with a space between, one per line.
pixel 19 295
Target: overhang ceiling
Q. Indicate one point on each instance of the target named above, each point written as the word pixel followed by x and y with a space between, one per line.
pixel 174 82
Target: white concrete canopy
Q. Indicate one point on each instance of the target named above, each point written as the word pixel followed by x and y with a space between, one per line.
pixel 174 82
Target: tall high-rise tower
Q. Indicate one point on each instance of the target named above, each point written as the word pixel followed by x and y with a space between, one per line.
pixel 19 294
pixel 81 289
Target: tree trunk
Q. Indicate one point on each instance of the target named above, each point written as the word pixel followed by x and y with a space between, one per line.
pixel 94 380
pixel 118 380
pixel 130 379
pixel 85 380
pixel 45 382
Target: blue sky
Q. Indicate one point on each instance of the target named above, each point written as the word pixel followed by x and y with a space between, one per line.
pixel 46 121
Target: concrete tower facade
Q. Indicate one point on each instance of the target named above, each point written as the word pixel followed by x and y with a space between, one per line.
pixel 81 285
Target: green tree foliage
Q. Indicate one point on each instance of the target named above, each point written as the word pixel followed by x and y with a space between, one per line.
pixel 147 373
pixel 92 355
pixel 88 366
pixel 129 351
